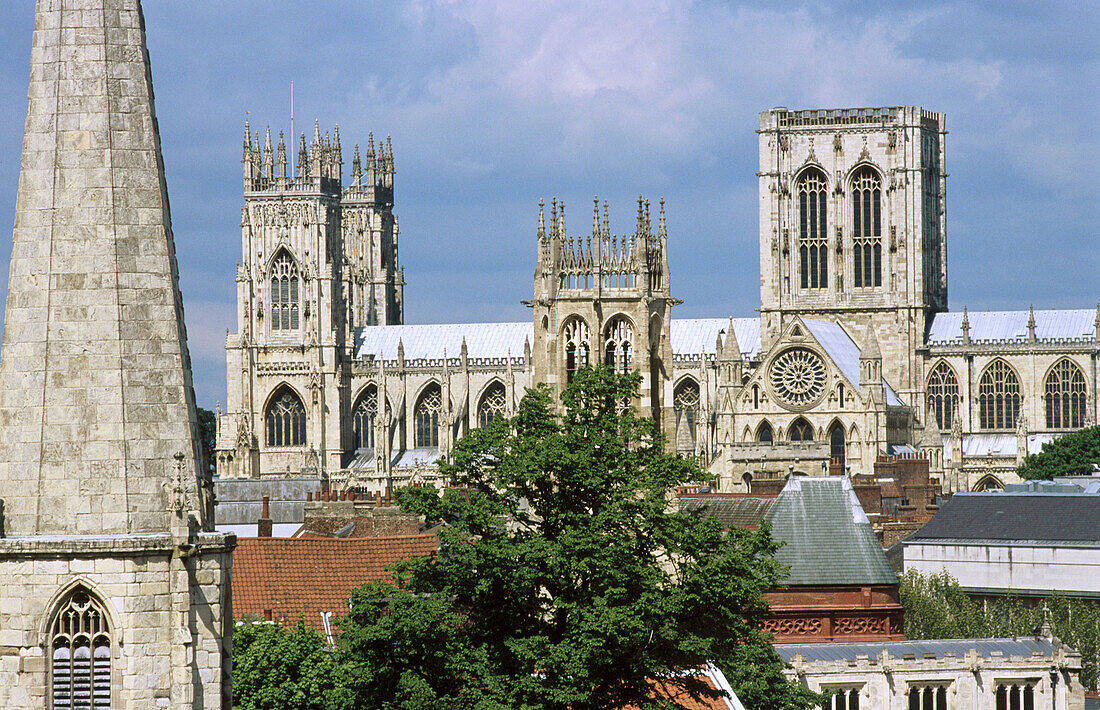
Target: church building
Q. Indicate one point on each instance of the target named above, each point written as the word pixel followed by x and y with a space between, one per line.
pixel 853 356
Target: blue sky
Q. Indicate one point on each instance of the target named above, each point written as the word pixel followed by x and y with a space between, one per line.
pixel 493 105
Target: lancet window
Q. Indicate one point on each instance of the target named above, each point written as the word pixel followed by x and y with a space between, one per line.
pixel 867 228
pixel 764 434
pixel 813 250
pixel 363 418
pixel 1015 696
pixel 836 444
pixel 80 654
pixel 618 345
pixel 843 699
pixel 998 397
pixel 576 339
pixel 284 293
pixel 685 404
pixel 286 419
pixel 943 394
pixel 493 404
pixel 426 417
pixel 1064 391
pixel 800 430
pixel 929 697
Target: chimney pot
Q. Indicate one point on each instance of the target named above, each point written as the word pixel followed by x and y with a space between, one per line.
pixel 309 496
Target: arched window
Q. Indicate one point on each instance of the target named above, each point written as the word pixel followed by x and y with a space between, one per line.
pixel 1065 396
pixel 363 417
pixel 493 404
pixel 284 293
pixel 800 431
pixel 998 397
pixel 80 654
pixel 836 444
pixel 286 419
pixel 576 340
pixel 840 395
pixel 685 404
pixel 426 416
pixel 943 394
pixel 867 228
pixel 989 483
pixel 764 434
pixel 618 345
pixel 813 231
pixel 755 397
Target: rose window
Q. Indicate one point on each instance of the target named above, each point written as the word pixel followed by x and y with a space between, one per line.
pixel 798 377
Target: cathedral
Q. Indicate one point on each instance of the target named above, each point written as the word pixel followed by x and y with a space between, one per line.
pixel 853 357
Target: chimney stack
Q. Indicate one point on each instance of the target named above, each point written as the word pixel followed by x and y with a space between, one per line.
pixel 263 526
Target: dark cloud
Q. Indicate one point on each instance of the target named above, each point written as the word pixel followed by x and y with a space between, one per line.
pixel 493 105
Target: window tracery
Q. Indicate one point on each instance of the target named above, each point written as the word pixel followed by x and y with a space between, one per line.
pixel 284 293
pixel 837 448
pixel 867 228
pixel 618 345
pixel 798 376
pixel 685 404
pixel 286 420
pixel 426 416
pixel 813 248
pixel 80 648
pixel 943 394
pixel 576 339
pixel 363 418
pixel 800 430
pixel 1064 392
pixel 998 397
pixel 493 404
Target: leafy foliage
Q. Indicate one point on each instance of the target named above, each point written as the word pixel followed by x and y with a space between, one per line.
pixel 1071 455
pixel 286 669
pixel 563 581
pixel 936 607
pixel 208 431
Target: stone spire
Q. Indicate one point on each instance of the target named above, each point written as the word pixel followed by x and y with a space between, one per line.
pixel 98 427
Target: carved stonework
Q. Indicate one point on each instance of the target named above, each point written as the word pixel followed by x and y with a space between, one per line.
pixel 859 625
pixel 793 627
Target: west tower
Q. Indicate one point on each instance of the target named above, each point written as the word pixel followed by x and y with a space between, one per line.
pixel 115 587
pixel 605 299
pixel 853 225
pixel 319 260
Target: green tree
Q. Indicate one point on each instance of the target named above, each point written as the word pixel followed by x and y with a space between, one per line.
pixel 563 580
pixel 208 432
pixel 1074 454
pixel 286 669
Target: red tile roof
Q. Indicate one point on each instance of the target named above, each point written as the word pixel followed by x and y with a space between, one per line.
pixel 284 578
pixel 712 677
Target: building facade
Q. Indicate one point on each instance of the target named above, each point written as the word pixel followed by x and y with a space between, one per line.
pixel 853 356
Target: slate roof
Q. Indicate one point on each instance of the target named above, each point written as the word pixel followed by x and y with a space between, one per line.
pixel 1058 326
pixel 691 336
pixel 1020 647
pixel 843 351
pixel 732 511
pixel 1015 518
pixel 295 577
pixel 828 539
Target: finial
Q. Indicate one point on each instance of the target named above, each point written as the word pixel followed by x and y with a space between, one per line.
pixel 542 220
pixel 966 327
pixel 303 156
pixel 596 217
pixel 247 134
pixel 267 139
pixel 389 146
pixel 1031 324
pixel 871 350
pixel 661 233
pixel 370 144
pixel 356 168
pixel 316 132
pixel 336 136
pixel 606 222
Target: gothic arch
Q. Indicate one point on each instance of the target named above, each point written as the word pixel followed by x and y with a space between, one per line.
pixel 838 442
pixel 492 402
pixel 866 187
pixel 618 343
pixel 576 345
pixel 364 415
pixel 685 404
pixel 284 281
pixel 999 396
pixel 53 606
pixel 988 482
pixel 942 390
pixel 811 189
pixel 801 430
pixel 80 634
pixel 765 434
pixel 1065 392
pixel 429 405
pixel 284 417
pixel 747 435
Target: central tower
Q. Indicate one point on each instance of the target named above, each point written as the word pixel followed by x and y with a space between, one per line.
pixel 605 299
pixel 853 225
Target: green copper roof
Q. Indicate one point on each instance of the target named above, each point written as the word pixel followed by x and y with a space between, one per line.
pixel 827 537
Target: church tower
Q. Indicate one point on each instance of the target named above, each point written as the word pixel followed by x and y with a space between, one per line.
pixel 116 588
pixel 853 226
pixel 319 261
pixel 605 299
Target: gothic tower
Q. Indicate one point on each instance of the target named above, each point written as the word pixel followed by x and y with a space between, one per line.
pixel 319 261
pixel 605 299
pixel 116 590
pixel 853 226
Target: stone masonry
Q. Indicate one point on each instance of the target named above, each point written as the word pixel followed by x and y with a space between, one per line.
pixel 104 507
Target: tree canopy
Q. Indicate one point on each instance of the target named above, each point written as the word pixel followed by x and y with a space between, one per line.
pixel 1074 454
pixel 563 579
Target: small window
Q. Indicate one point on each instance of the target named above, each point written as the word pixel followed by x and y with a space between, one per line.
pixel 842 699
pixel 929 697
pixel 1016 696
pixel 836 444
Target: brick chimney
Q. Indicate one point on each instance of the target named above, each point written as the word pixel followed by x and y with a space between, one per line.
pixel 263 526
